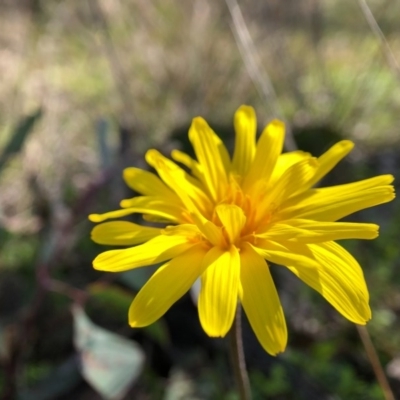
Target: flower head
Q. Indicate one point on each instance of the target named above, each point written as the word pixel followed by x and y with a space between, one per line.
pixel 231 215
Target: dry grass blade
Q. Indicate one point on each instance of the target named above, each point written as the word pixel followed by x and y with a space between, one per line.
pixel 257 73
pixel 373 24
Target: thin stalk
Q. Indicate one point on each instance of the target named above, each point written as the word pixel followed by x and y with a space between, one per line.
pixel 387 50
pixel 375 363
pixel 257 73
pixel 237 357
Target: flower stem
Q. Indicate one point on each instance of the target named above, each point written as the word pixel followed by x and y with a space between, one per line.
pixel 237 357
pixel 375 363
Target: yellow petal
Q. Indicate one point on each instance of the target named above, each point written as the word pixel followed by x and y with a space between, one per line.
pixel 210 231
pixel 281 231
pixel 308 231
pixel 195 200
pixel 219 291
pixel 122 233
pixel 261 302
pixel 168 284
pixel 111 215
pixel 285 253
pixel 232 219
pixel 187 188
pixel 155 205
pixel 212 155
pixel 293 181
pixel 158 249
pixel 160 220
pixel 245 123
pixel 285 161
pixel 188 162
pixel 330 158
pixel 339 279
pixel 335 202
pixel 184 159
pixel 189 230
pixel 146 183
pixel 269 147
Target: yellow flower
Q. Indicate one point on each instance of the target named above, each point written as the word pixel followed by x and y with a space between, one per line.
pixel 228 216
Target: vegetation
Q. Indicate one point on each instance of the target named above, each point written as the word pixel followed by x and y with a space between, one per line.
pixel 87 87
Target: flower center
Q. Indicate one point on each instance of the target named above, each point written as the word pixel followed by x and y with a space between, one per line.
pixel 236 215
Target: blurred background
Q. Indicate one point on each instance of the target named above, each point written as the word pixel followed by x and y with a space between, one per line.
pixel 86 87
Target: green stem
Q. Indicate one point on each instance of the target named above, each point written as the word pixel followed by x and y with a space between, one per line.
pixel 237 357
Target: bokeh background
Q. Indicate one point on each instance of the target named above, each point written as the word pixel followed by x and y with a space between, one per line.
pixel 86 87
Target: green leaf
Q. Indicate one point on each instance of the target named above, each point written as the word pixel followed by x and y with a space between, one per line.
pixel 109 362
pixel 61 380
pixel 158 331
pixel 110 300
pixel 18 137
pixel 4 236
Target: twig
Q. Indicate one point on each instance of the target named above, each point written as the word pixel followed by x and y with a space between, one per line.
pixel 237 356
pixel 257 73
pixel 375 363
pixel 78 296
pixel 373 24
